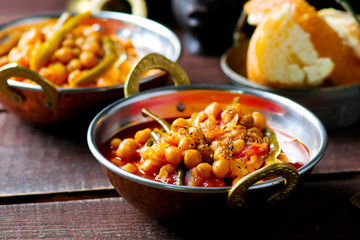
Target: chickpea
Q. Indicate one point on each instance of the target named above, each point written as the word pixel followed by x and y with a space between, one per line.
pixel 259 121
pixel 76 52
pixel 147 166
pixel 73 65
pixel 198 118
pixel 192 158
pixel 254 163
pixel 64 55
pixel 68 42
pixel 172 140
pixel 157 152
pixel 204 169
pixel 115 142
pixel 247 120
pixel 30 37
pixel 93 47
pixel 235 108
pixel 210 122
pixel 227 116
pixel 4 60
pixel 48 31
pixel 238 131
pixel 215 144
pixel 197 134
pixel 256 132
pixel 213 109
pixel 145 152
pixel 186 143
pixel 237 168
pixel 94 36
pixel 126 150
pixel 169 168
pixel 180 122
pixel 172 155
pixel 74 75
pixel 88 59
pixel 182 131
pixel 79 41
pixel 55 72
pixel 143 135
pixel 15 55
pixel 222 152
pixel 238 146
pixel 206 152
pixel 132 141
pixel 129 168
pixel 87 31
pixel 282 158
pixel 221 168
pixel 164 172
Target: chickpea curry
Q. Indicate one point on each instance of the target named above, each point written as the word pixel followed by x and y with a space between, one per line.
pixel 215 147
pixel 71 52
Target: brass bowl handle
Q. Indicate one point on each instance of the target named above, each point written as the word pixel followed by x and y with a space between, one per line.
pixel 51 98
pixel 138 7
pixel 153 61
pixel 236 195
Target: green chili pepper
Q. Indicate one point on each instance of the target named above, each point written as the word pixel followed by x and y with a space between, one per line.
pixel 180 175
pixel 110 58
pixel 47 48
pixel 155 136
pixel 235 100
pixel 162 122
pixel 274 146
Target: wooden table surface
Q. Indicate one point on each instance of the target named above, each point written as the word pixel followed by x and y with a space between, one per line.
pixel 52 187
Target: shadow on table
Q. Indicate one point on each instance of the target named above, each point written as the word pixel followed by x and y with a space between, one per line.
pixel 319 210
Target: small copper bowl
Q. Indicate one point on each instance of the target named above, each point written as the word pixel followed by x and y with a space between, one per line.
pixel 167 202
pixel 47 105
pixel 337 107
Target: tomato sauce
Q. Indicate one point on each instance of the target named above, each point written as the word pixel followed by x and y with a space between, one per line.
pixel 296 152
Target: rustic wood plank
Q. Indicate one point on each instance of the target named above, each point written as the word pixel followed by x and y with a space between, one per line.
pixel 38 161
pixel 14 9
pixel 342 152
pixel 319 210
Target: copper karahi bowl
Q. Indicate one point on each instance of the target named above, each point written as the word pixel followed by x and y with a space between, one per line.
pixel 47 105
pixel 166 201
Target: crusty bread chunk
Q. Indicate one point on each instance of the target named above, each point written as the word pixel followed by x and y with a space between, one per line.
pixel 345 26
pixel 281 54
pixel 333 33
pixel 256 10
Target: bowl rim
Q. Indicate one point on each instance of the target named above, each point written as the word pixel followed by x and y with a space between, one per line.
pixel 107 111
pixel 235 77
pixel 123 17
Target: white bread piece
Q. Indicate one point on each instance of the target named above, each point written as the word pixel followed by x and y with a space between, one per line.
pixel 256 10
pixel 344 25
pixel 281 53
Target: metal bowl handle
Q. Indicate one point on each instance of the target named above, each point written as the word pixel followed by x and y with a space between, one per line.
pixel 153 61
pixel 51 98
pixel 236 195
